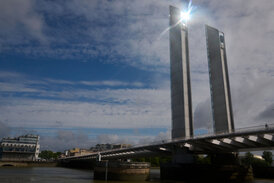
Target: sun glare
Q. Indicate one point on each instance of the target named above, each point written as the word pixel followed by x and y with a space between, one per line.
pixel 185 16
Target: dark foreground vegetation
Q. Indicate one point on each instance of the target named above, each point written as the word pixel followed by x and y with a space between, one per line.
pixel 261 167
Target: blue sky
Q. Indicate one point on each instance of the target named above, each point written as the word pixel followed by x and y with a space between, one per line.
pixel 94 71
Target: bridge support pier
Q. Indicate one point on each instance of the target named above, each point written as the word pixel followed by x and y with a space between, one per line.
pixel 82 164
pixel 180 168
pixel 181 156
pixel 223 168
pixel 120 170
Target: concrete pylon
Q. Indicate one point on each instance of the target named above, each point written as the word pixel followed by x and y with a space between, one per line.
pixel 219 81
pixel 181 102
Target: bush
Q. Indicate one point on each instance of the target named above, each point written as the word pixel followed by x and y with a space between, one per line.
pixel 250 160
pixel 203 160
pixel 267 157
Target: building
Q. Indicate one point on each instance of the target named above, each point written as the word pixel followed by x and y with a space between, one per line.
pixel 121 146
pixel 97 148
pixel 77 152
pixel 73 152
pixel 219 81
pixel 102 147
pixel 22 148
pixel 181 102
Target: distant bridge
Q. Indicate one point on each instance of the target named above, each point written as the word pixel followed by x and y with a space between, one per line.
pixel 244 139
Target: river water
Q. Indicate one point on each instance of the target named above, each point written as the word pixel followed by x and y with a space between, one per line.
pixel 65 175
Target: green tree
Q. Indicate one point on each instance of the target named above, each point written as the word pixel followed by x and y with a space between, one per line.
pixel 56 155
pixel 248 159
pixel 267 155
pixel 155 161
pixel 203 159
pixel 138 159
pixel 47 154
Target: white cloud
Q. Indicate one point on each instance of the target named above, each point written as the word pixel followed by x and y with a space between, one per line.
pixel 159 138
pixel 10 75
pixel 251 94
pixel 12 87
pixel 65 140
pixel 132 28
pixel 16 82
pixel 18 19
pixel 203 115
pixel 111 83
pixel 4 130
pixel 59 81
pixel 121 108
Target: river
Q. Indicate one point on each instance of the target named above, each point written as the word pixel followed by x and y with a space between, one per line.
pixel 64 175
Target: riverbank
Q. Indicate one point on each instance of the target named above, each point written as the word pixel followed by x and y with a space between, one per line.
pixel 27 164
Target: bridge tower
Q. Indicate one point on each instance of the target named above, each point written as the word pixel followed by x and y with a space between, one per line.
pixel 219 81
pixel 181 103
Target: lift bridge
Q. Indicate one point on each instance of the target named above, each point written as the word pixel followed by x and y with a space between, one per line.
pixel 225 139
pixel 241 140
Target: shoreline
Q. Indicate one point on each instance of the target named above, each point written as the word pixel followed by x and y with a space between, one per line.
pixel 27 164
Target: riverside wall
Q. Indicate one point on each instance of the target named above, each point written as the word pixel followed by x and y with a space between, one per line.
pixel 27 164
pixel 118 170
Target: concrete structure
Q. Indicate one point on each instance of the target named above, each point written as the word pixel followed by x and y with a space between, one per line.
pixel 77 152
pixel 22 148
pixel 120 170
pixel 181 103
pixel 219 81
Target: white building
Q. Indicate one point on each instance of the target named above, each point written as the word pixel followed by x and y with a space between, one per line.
pixel 22 148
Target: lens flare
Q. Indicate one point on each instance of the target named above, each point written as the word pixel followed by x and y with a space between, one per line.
pixel 184 18
pixel 186 14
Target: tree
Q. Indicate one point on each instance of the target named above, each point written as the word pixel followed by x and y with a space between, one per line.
pixel 47 154
pixel 255 162
pixel 248 159
pixel 203 159
pixel 267 155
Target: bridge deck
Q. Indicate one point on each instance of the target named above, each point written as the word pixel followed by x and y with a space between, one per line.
pixel 254 138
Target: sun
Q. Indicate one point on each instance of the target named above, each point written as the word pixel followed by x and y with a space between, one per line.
pixel 185 16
